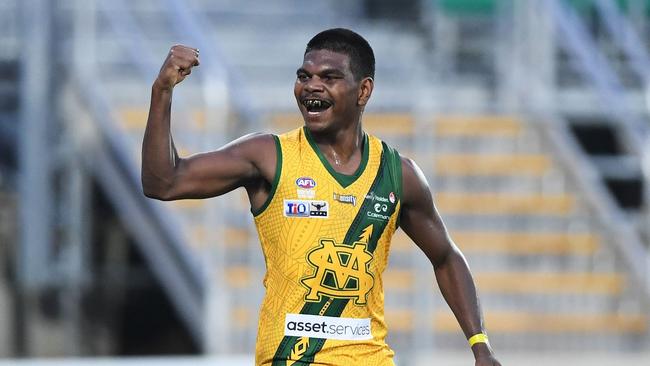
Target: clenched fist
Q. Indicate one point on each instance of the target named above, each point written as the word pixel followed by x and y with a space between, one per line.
pixel 177 66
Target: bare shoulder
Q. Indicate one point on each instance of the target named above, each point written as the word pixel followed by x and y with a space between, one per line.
pixel 258 148
pixel 256 143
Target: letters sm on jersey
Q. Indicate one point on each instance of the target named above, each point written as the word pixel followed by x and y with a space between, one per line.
pixel 341 271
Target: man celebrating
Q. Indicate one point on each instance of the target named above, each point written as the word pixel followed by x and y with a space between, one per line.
pixel 326 199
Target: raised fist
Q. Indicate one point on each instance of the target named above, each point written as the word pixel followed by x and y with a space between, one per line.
pixel 177 66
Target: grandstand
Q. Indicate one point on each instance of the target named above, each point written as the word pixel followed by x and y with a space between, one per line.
pixel 529 119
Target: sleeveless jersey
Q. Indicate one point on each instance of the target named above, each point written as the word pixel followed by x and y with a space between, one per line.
pixel 326 238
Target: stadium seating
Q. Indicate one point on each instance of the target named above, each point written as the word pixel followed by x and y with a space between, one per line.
pixel 518 227
pixel 548 275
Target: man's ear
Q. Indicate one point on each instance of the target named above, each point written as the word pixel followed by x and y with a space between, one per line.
pixel 365 90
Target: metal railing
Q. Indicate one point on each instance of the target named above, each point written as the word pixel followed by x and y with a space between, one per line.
pixel 627 38
pixel 623 32
pixel 608 215
pixel 577 41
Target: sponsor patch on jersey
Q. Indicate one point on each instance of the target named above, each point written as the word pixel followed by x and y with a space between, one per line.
pixel 306 183
pixel 379 212
pixel 373 197
pixel 327 327
pixel 381 206
pixel 345 198
pixel 306 193
pixel 306 208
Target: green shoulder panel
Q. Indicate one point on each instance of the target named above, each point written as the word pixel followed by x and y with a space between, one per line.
pixel 395 167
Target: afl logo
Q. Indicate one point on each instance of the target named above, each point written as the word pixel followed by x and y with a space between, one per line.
pixel 306 183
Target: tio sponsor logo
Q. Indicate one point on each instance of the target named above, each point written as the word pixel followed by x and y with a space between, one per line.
pixel 306 208
pixel 296 208
pixel 305 183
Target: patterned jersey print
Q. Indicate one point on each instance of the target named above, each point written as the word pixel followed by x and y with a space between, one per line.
pixel 326 238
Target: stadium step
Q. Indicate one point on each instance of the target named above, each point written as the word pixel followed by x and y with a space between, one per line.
pixel 512 242
pixel 528 322
pixel 477 126
pixel 476 165
pixel 519 322
pixel 134 119
pixel 530 243
pixel 232 237
pixel 402 124
pixel 466 203
pixel 525 282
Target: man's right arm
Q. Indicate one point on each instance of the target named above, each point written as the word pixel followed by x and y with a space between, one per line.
pixel 166 176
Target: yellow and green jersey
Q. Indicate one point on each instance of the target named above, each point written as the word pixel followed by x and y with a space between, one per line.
pixel 326 238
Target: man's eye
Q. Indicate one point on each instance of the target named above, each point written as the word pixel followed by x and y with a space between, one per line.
pixel 302 77
pixel 331 77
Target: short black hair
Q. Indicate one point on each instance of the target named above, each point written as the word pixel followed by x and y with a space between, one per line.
pixel 347 42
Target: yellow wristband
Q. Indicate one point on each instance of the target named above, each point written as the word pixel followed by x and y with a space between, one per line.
pixel 478 338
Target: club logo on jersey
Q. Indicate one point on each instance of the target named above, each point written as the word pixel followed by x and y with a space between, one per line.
pixel 391 197
pixel 305 183
pixel 340 271
pixel 306 208
pixel 346 198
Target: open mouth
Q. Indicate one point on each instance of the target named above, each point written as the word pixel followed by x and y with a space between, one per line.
pixel 316 105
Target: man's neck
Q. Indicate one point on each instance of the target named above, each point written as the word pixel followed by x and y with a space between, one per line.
pixel 342 149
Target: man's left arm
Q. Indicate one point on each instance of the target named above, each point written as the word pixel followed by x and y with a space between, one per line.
pixel 421 222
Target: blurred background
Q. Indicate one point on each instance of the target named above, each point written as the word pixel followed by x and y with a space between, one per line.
pixel 530 119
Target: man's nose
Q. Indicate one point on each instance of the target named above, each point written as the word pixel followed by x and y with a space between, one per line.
pixel 314 84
